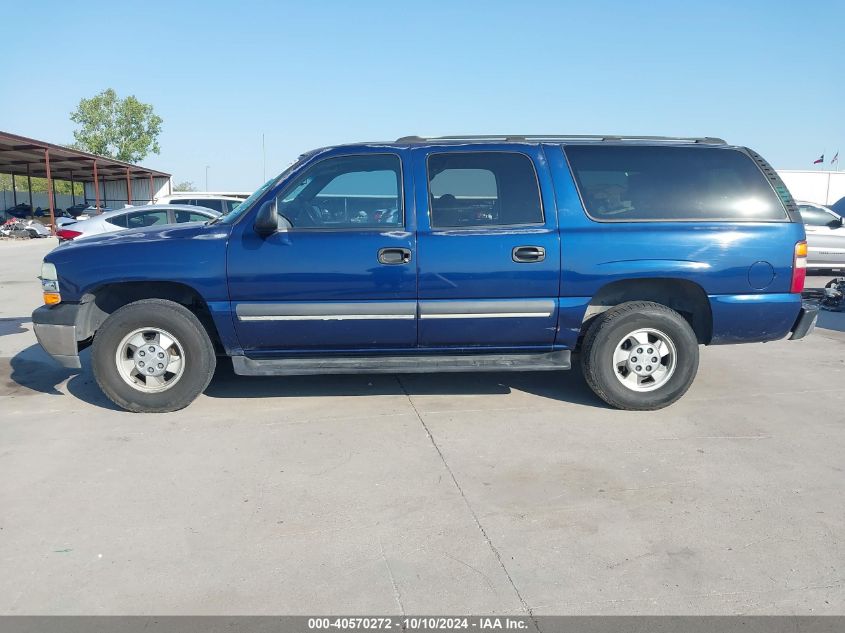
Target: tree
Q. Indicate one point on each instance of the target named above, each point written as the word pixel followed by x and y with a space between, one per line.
pixel 186 185
pixel 125 129
pixel 39 185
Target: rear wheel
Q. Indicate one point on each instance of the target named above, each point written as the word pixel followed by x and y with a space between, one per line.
pixel 152 356
pixel 640 356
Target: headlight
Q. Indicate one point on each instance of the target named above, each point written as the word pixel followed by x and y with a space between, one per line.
pixel 50 284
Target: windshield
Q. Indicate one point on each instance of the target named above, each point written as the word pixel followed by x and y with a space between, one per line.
pixel 242 208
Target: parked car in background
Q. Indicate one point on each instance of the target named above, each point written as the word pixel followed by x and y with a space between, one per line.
pixel 77 209
pixel 84 212
pixel 448 254
pixel 21 210
pixel 217 202
pixel 825 236
pixel 134 218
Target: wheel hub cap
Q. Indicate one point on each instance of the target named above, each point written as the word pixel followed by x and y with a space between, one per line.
pixel 645 359
pixel 151 360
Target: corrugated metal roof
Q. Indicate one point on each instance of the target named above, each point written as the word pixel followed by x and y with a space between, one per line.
pixel 17 153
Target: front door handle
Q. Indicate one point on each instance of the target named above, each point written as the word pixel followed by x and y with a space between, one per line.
pixel 528 254
pixel 394 256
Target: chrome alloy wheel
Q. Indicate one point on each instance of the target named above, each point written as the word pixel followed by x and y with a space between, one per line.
pixel 644 360
pixel 150 359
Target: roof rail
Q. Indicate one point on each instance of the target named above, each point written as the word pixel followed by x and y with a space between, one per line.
pixel 709 140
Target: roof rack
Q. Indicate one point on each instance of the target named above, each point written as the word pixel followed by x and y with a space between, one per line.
pixel 708 140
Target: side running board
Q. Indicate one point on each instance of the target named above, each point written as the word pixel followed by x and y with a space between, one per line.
pixel 422 364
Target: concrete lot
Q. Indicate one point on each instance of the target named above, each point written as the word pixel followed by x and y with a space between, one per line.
pixel 422 494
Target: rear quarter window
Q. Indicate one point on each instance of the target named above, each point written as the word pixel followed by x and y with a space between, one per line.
pixel 118 220
pixel 642 183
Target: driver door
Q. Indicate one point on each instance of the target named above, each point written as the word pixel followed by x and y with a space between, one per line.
pixel 340 274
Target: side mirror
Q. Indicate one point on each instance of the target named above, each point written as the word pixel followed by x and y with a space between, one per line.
pixel 267 222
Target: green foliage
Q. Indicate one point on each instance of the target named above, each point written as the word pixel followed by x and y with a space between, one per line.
pixel 186 185
pixel 125 129
pixel 38 185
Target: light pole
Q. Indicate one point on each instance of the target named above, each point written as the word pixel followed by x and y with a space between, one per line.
pixel 206 177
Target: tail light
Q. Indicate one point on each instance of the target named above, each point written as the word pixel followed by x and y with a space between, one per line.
pixel 67 234
pixel 799 267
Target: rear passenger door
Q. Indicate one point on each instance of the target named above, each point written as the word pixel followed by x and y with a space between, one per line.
pixel 488 247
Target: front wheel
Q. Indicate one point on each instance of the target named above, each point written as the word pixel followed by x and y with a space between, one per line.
pixel 152 356
pixel 640 356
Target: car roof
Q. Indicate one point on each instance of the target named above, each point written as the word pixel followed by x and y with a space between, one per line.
pixel 536 139
pixel 807 203
pixel 156 207
pixel 198 195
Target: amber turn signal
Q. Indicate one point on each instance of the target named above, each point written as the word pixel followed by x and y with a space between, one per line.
pixel 52 298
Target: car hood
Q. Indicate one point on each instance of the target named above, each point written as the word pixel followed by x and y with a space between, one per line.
pixel 193 254
pixel 150 234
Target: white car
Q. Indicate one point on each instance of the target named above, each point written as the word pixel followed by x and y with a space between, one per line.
pixel 825 236
pixel 134 218
pixel 222 203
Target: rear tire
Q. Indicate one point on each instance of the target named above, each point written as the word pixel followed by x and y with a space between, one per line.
pixel 177 354
pixel 640 356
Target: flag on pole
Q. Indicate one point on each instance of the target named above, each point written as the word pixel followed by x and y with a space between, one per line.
pixel 819 160
pixel 835 158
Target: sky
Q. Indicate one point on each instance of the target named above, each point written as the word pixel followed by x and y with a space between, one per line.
pixel 221 74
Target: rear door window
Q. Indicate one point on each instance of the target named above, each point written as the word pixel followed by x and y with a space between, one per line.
pixel 146 218
pixel 483 189
pixel 217 205
pixel 181 216
pixel 640 183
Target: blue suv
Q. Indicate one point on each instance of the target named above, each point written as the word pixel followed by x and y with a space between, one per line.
pixel 448 254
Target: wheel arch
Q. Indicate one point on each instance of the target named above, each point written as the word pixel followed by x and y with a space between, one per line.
pixel 685 297
pixel 100 302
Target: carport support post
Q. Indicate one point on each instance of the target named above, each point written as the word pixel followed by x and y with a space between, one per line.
pixel 14 192
pixel 128 188
pixel 152 193
pixel 29 188
pixel 72 190
pixel 50 192
pixel 96 187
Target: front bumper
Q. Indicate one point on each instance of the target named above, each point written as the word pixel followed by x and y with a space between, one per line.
pixel 55 329
pixel 806 321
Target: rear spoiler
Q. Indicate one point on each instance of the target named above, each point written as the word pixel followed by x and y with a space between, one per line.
pixel 777 184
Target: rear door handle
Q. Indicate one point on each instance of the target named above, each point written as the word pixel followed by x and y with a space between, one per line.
pixel 528 254
pixel 394 256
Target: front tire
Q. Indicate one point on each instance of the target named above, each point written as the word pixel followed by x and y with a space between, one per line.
pixel 640 356
pixel 152 356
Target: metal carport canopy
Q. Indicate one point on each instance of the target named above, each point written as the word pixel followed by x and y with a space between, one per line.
pixel 22 156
